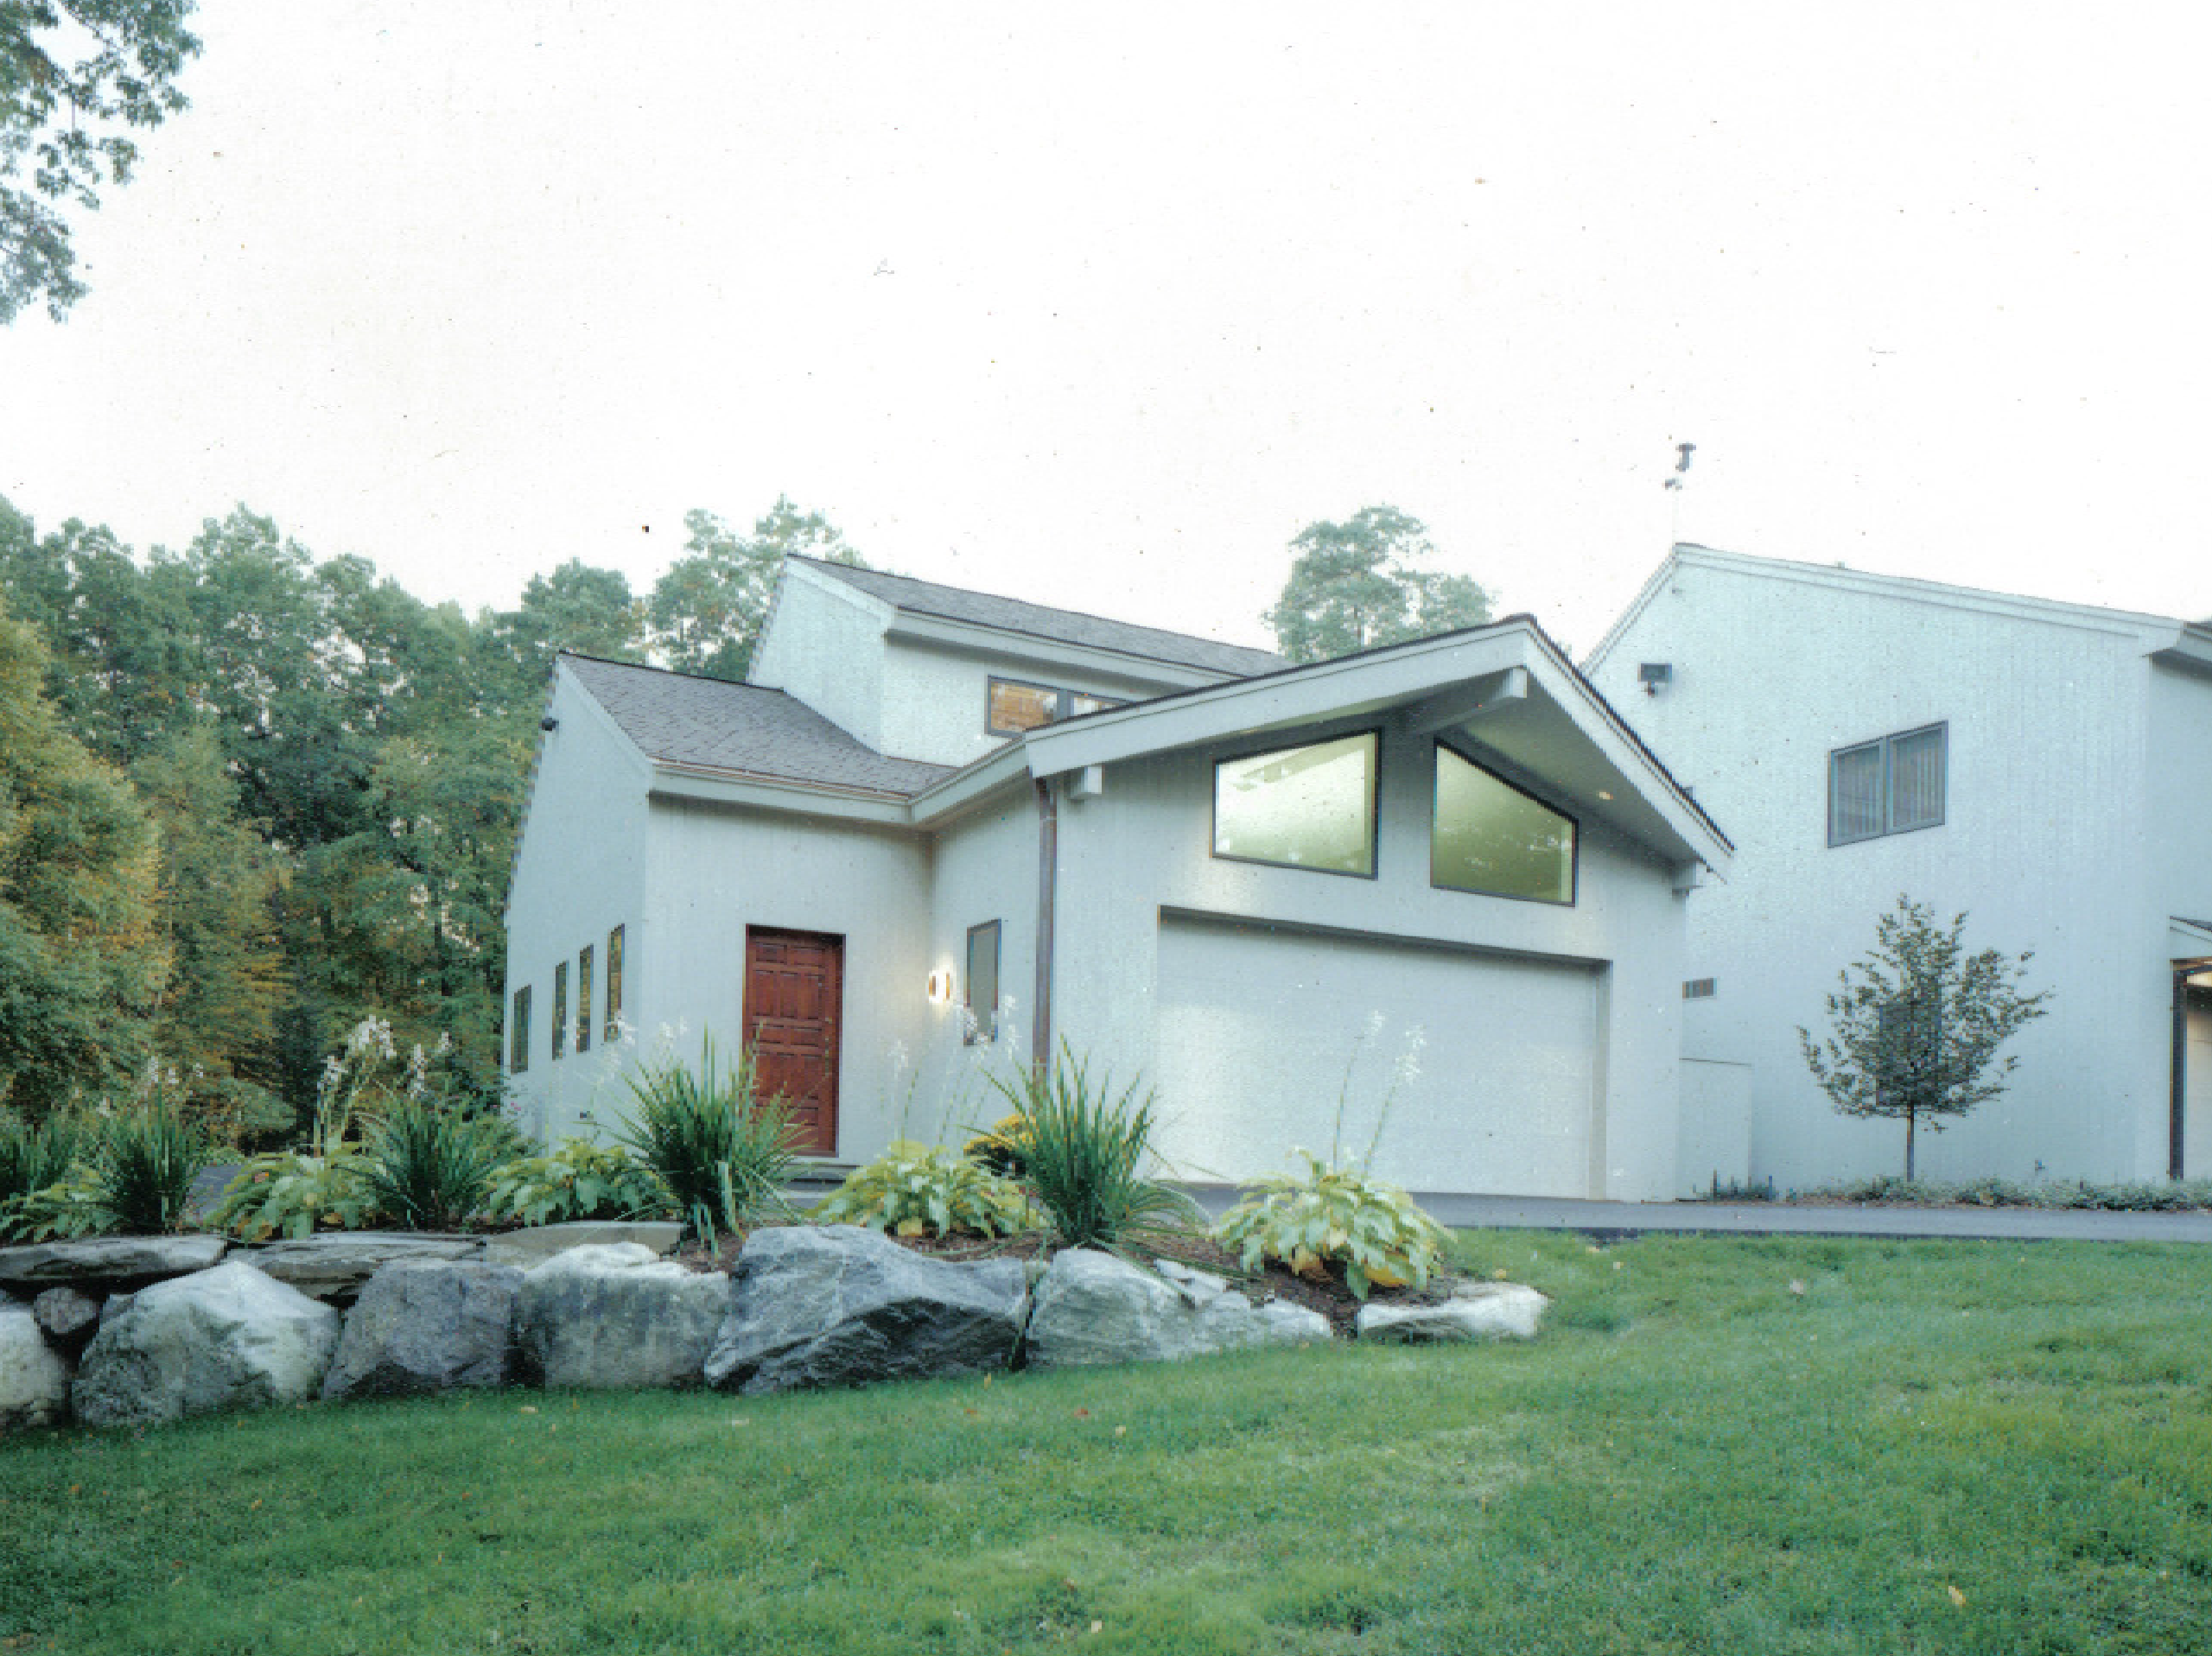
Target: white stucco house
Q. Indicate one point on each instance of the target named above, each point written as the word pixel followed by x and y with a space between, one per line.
pixel 2045 767
pixel 1186 859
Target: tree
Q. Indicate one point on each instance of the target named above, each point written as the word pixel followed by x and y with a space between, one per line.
pixel 82 960
pixel 75 75
pixel 706 611
pixel 1914 1028
pixel 1355 585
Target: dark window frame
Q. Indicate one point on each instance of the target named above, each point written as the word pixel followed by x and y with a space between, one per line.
pixel 1064 701
pixel 1886 746
pixel 982 1024
pixel 616 941
pixel 1575 847
pixel 587 959
pixel 560 1010
pixel 518 1032
pixel 1374 807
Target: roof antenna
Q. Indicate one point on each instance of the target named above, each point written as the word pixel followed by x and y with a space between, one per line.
pixel 1682 452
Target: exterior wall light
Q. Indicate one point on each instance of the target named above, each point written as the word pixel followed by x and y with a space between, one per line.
pixel 940 986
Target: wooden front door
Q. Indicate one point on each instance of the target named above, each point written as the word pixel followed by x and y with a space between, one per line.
pixel 794 1002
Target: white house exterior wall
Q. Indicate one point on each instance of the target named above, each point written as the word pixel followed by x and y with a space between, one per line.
pixel 1145 845
pixel 824 646
pixel 984 868
pixel 934 700
pixel 713 872
pixel 2043 845
pixel 579 873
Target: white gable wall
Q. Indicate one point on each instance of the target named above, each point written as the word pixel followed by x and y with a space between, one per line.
pixel 823 645
pixel 579 872
pixel 934 698
pixel 2045 846
pixel 1144 844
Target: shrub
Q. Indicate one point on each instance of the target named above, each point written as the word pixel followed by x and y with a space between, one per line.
pixel 1330 1215
pixel 1003 1150
pixel 143 1163
pixel 723 1153
pixel 921 1190
pixel 1087 1149
pixel 429 1166
pixel 291 1193
pixel 581 1180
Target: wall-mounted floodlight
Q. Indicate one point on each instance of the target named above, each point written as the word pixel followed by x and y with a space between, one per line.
pixel 1655 676
pixel 548 722
pixel 940 986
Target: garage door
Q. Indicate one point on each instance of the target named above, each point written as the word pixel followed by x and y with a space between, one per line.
pixel 1258 1026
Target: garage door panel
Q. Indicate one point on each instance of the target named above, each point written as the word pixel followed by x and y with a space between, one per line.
pixel 1262 1030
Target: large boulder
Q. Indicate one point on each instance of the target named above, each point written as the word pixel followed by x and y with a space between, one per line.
pixel 1488 1310
pixel 229 1338
pixel 1094 1308
pixel 426 1325
pixel 616 1315
pixel 34 1380
pixel 534 1244
pixel 106 1262
pixel 837 1305
pixel 334 1265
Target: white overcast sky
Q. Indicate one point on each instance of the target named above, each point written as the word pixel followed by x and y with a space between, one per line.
pixel 1099 306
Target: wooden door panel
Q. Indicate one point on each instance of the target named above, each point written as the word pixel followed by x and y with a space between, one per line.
pixel 794 994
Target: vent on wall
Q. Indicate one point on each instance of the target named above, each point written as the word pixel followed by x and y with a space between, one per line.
pixel 1697 989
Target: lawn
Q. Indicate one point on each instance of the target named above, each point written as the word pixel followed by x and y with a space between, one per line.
pixel 1937 1446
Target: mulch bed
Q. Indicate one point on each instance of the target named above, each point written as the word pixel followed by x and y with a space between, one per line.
pixel 1328 1295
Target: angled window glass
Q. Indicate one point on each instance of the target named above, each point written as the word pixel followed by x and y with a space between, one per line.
pixel 1490 837
pixel 983 982
pixel 1015 706
pixel 518 1033
pixel 1084 701
pixel 1310 807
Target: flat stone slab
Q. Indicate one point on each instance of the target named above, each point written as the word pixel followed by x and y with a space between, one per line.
pixel 613 1316
pixel 1490 1310
pixel 334 1266
pixel 106 1261
pixel 227 1338
pixel 827 1305
pixel 1093 1308
pixel 539 1243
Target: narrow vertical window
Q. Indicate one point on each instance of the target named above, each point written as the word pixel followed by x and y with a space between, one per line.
pixel 983 982
pixel 518 1033
pixel 583 999
pixel 614 941
pixel 560 1008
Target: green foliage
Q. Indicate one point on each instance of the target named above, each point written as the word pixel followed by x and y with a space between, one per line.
pixel 1354 584
pixel 1088 1149
pixel 580 1180
pixel 429 1165
pixel 69 1207
pixel 34 1157
pixel 2174 1196
pixel 1004 1150
pixel 76 76
pixel 707 611
pixel 1334 1216
pixel 144 1161
pixel 926 1190
pixel 724 1152
pixel 1915 1026
pixel 290 1194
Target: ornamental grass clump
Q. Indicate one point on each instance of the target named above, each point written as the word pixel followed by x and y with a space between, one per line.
pixel 33 1158
pixel 1088 1147
pixel 428 1166
pixel 143 1165
pixel 914 1190
pixel 723 1153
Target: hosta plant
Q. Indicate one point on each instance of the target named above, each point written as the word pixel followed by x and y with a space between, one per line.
pixel 292 1193
pixel 68 1207
pixel 1331 1216
pixel 581 1180
pixel 926 1190
pixel 1004 1149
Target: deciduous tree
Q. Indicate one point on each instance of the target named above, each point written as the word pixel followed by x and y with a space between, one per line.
pixel 1356 584
pixel 706 611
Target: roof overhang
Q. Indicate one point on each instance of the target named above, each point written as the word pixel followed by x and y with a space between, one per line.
pixel 2189 943
pixel 1003 644
pixel 1505 690
pixel 2190 650
pixel 744 791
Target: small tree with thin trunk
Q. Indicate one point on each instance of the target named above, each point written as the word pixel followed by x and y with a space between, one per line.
pixel 1914 1027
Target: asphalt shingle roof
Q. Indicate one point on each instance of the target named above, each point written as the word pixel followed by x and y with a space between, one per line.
pixel 1064 626
pixel 740 727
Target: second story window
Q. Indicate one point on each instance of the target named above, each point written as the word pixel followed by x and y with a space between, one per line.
pixel 1891 785
pixel 1015 706
pixel 1310 807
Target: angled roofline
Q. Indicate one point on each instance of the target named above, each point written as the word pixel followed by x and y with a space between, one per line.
pixel 2058 611
pixel 833 570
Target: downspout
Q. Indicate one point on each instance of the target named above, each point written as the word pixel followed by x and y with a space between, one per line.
pixel 1048 864
pixel 2177 1101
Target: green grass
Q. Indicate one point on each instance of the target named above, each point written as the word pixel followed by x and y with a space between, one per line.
pixel 1692 1459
